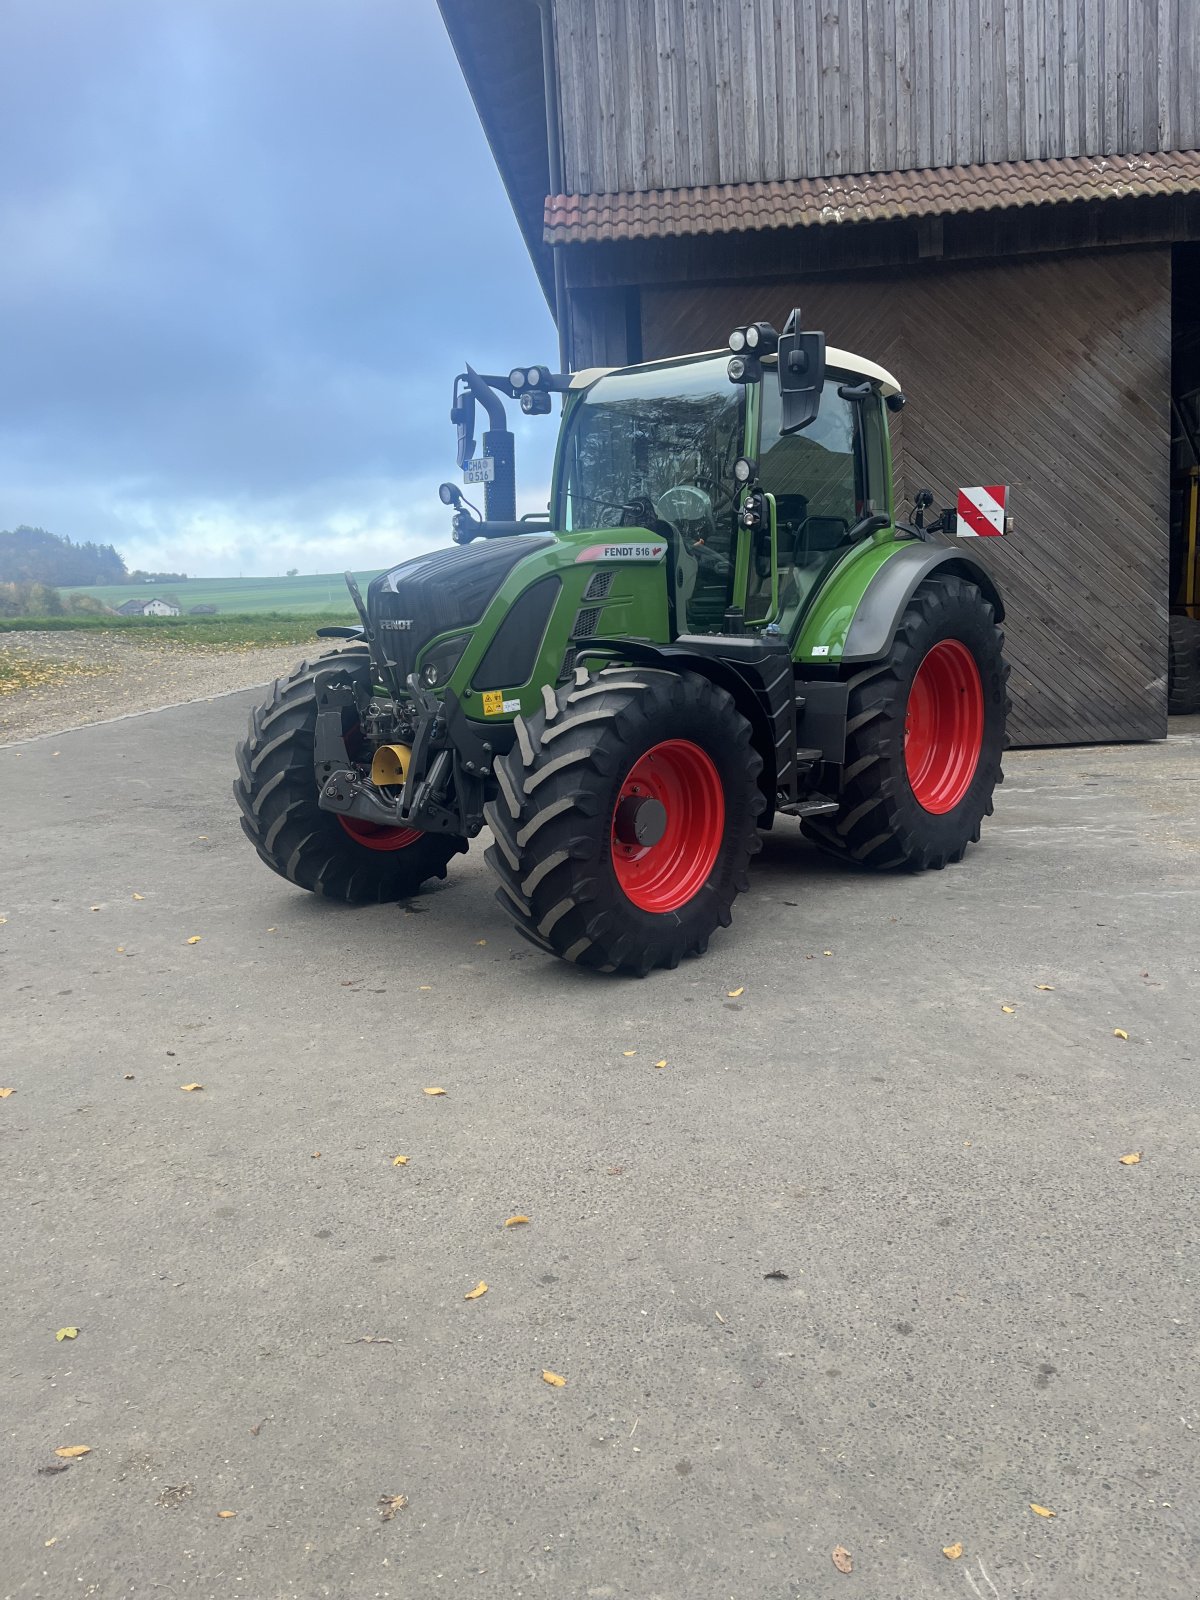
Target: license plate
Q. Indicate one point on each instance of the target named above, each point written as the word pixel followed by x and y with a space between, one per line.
pixel 481 470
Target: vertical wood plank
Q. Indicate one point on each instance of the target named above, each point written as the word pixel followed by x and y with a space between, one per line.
pixel 942 57
pixel 987 67
pixel 1092 53
pixel 1110 78
pixel 791 136
pixel 1014 74
pixel 883 142
pixel 811 89
pixel 964 81
pixel 1069 49
pixel 833 143
pixel 905 146
pixel 922 68
pixel 770 111
pixel 723 71
pixel 1186 60
pixel 604 105
pixel 855 85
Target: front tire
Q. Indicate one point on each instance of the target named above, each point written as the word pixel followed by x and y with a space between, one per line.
pixel 276 788
pixel 626 818
pixel 925 733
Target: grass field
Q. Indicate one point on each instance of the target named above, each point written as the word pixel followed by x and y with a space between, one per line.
pixel 324 592
pixel 220 633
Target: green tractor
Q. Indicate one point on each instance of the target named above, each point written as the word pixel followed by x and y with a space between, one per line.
pixel 720 623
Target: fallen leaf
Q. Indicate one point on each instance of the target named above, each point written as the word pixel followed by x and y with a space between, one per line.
pixel 389 1504
pixel 776 1274
pixel 195 939
pixel 369 1338
pixel 129 1076
pixel 95 908
pixel 66 1333
pixel 660 1064
pixel 733 993
pixel 629 1052
pixel 1119 1033
pixel 434 1091
pixel 4 1093
pixel 425 988
pixel 400 1161
pixel 952 1551
pixel 615 1172
pixel 842 1558
pixel 1041 1511
pixel 829 953
pixel 1132 1159
pixel 719 1318
pixel 256 1429
pixel 1046 988
pixel 49 1542
pixel 554 1379
pixel 515 1222
pixel 477 1292
pixel 481 941
pixel 203 838
pixel 69 1451
pixel 189 1088
pixel 227 1513
pixel 316 1155
pixel 272 930
pixel 120 949
pixel 139 897
pixel 1008 1010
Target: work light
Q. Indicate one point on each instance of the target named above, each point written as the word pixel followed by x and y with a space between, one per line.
pixel 743 469
pixel 762 338
pixel 737 340
pixel 517 378
pixel 744 369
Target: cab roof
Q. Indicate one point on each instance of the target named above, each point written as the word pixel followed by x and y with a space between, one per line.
pixel 840 360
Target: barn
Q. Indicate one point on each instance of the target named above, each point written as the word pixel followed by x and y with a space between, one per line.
pixel 999 200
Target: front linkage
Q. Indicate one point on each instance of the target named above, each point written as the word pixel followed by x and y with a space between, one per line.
pixel 428 770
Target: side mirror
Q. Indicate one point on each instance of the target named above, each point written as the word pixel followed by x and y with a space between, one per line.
pixel 462 412
pixel 801 374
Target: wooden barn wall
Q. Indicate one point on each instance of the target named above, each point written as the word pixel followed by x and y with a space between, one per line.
pixel 664 94
pixel 1052 376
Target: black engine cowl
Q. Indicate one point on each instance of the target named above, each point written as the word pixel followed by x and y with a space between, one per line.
pixel 411 604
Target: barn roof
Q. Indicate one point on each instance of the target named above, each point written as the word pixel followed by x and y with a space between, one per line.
pixel 870 197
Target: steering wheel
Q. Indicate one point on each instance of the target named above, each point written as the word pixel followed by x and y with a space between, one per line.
pixel 687 506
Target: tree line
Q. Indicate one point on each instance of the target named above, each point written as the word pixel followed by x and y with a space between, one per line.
pixel 35 556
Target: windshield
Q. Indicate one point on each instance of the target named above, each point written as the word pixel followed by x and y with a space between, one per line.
pixel 637 436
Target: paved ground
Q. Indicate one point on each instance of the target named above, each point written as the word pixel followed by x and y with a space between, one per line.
pixel 984 1309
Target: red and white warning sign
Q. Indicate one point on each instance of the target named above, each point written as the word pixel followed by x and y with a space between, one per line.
pixel 981 511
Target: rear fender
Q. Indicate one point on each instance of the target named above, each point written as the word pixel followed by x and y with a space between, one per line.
pixel 892 586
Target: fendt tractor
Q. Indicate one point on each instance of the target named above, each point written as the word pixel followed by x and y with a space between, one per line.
pixel 719 624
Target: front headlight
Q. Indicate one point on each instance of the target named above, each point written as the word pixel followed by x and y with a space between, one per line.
pixel 439 661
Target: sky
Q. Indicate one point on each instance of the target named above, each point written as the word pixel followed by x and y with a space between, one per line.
pixel 244 247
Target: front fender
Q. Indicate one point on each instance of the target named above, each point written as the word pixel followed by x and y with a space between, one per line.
pixel 891 588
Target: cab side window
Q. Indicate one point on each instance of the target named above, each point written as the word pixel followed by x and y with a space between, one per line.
pixel 821 478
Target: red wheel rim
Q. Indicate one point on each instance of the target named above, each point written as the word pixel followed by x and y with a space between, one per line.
pixel 374 836
pixel 943 729
pixel 683 780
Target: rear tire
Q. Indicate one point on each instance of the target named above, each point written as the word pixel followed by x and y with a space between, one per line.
pixel 1183 668
pixel 626 819
pixel 276 788
pixel 924 736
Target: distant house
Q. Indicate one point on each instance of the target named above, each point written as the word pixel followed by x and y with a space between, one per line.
pixel 202 611
pixel 148 608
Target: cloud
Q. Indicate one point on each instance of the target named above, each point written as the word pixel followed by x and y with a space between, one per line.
pixel 242 264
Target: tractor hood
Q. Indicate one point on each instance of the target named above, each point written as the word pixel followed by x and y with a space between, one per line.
pixel 437 593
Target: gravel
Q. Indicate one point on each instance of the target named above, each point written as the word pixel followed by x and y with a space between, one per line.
pixel 71 679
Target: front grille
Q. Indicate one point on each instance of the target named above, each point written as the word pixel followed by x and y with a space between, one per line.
pixel 585 622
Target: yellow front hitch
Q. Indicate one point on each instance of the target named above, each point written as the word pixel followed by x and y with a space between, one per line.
pixel 389 768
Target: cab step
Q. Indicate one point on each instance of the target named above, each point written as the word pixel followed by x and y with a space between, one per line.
pixel 813 805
